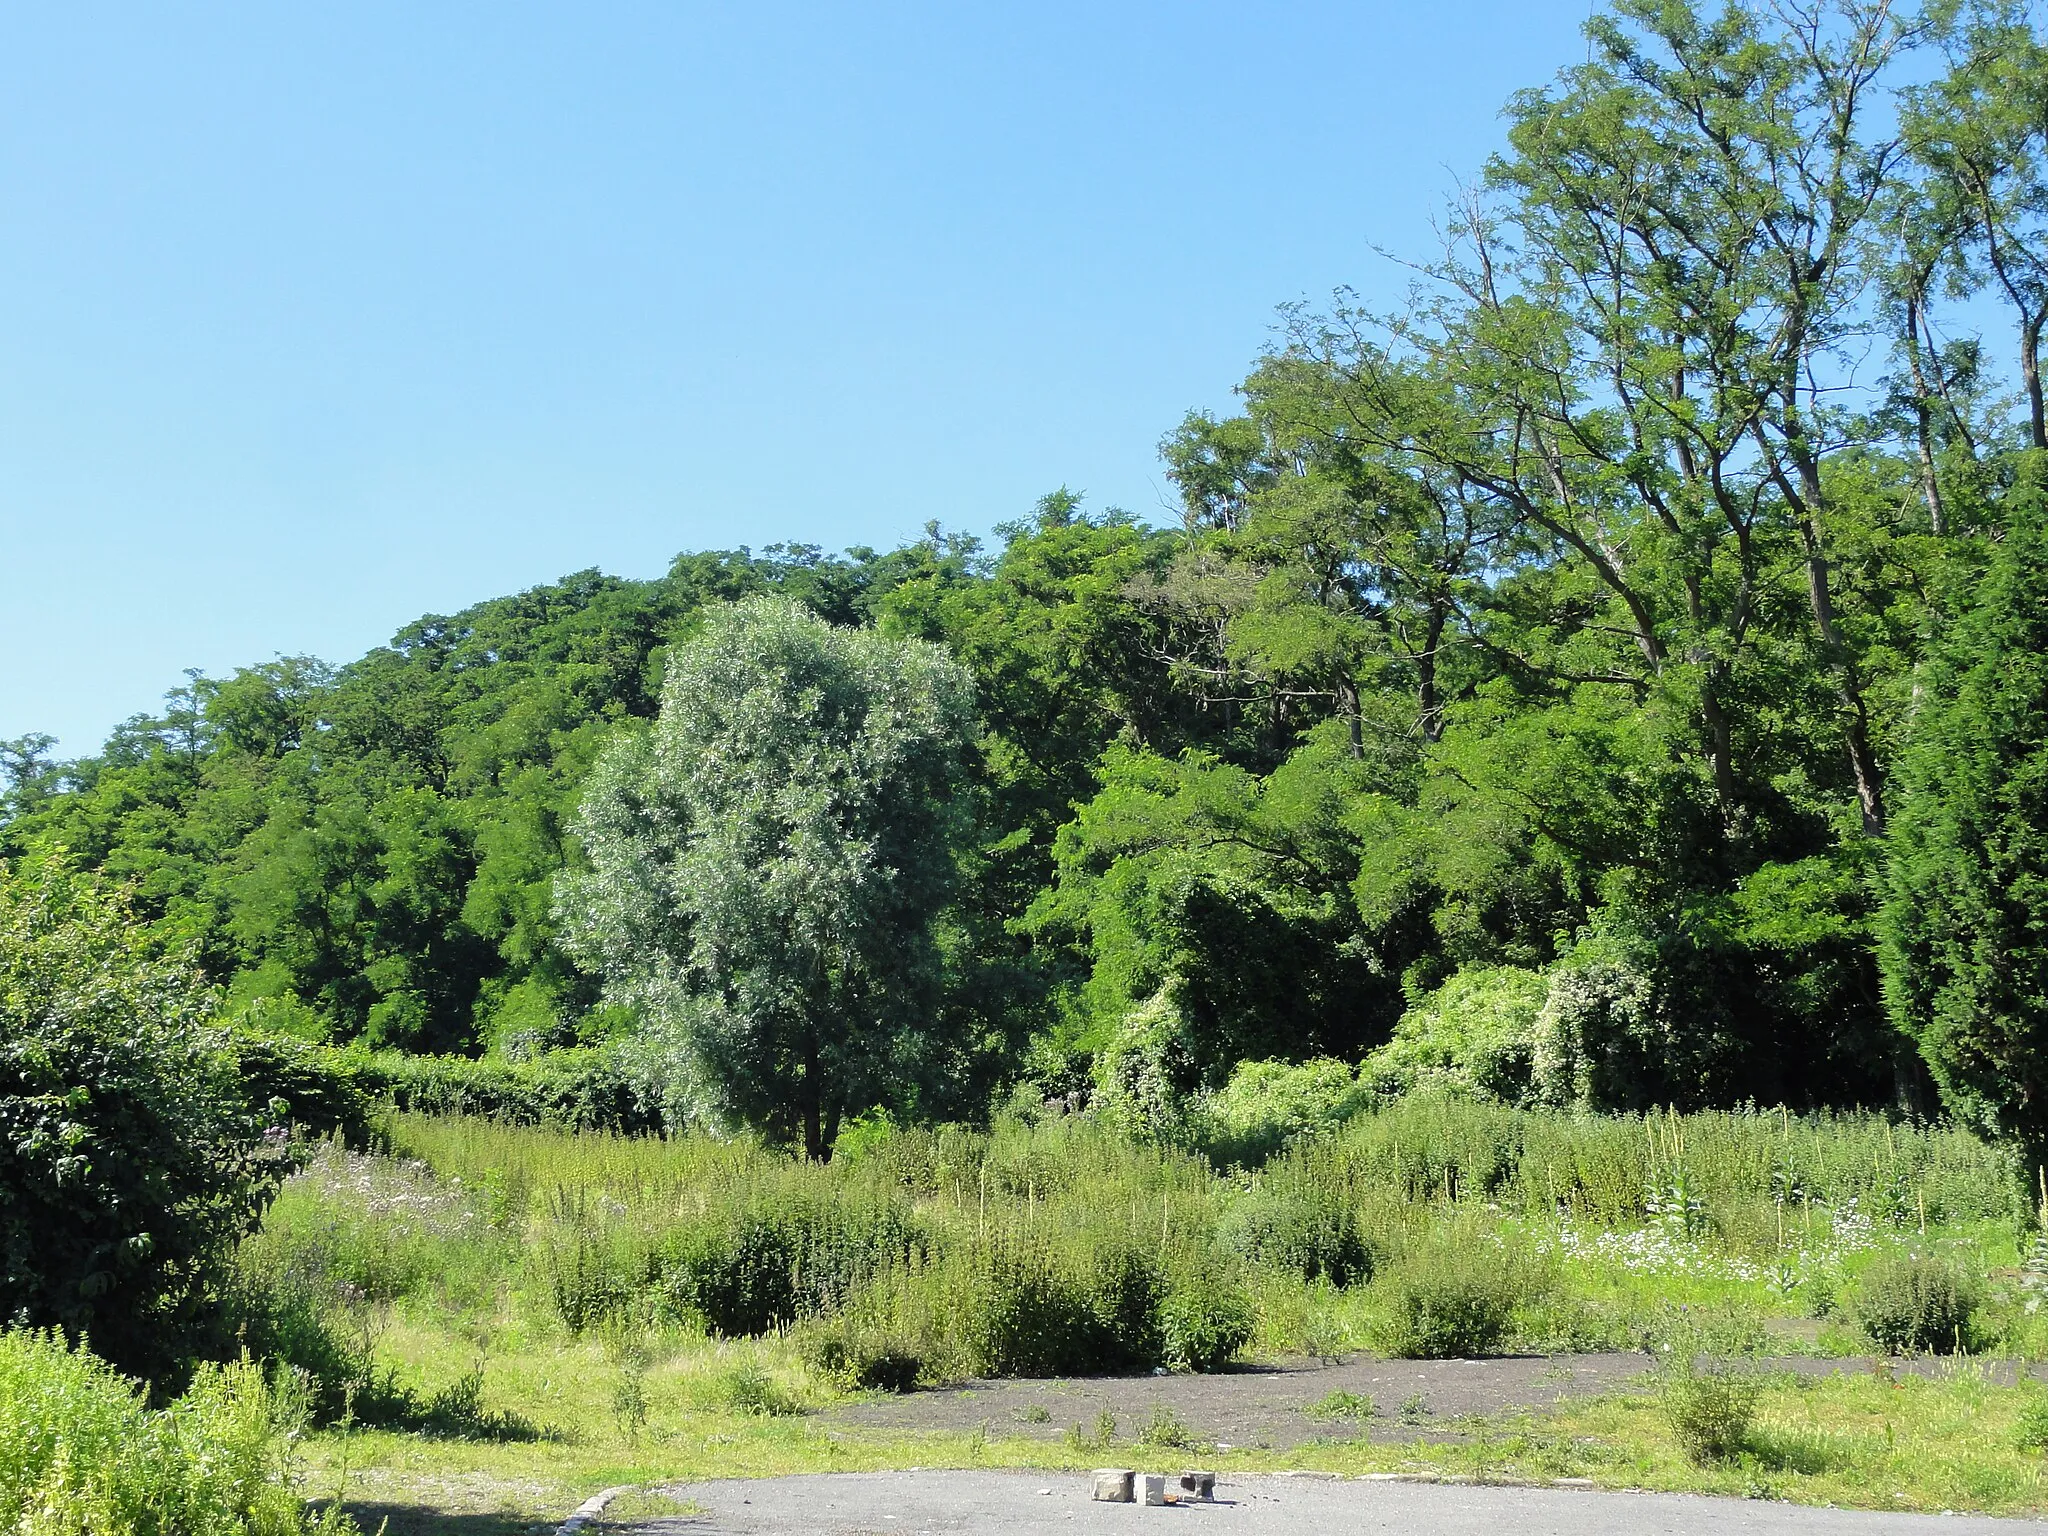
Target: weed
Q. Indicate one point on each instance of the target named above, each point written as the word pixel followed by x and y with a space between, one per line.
pixel 1166 1430
pixel 1355 1406
pixel 2030 1427
pixel 1204 1325
pixel 1451 1298
pixel 1708 1381
pixel 1913 1303
pixel 1303 1226
pixel 750 1390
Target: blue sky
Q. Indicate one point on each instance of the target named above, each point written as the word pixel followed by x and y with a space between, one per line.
pixel 316 318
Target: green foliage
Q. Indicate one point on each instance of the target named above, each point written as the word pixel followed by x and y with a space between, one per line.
pixel 767 866
pixel 1355 1406
pixel 1298 1224
pixel 1966 968
pixel 317 1093
pixel 1710 1404
pixel 1268 1104
pixel 1454 1295
pixel 601 1088
pixel 1473 1035
pixel 1911 1303
pixel 1206 1319
pixel 130 1160
pixel 81 1455
pixel 2030 1432
pixel 1563 635
pixel 799 1253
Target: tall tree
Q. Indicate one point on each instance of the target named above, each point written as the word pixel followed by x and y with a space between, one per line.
pixel 1965 928
pixel 767 865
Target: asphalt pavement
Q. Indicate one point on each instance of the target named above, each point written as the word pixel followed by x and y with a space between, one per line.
pixel 1003 1503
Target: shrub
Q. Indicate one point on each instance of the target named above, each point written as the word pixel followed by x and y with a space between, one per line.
pixel 1473 1037
pixel 130 1164
pixel 2030 1427
pixel 1301 1227
pixel 588 1088
pixel 1204 1322
pixel 857 1353
pixel 1146 1071
pixel 81 1453
pixel 1710 1405
pixel 1027 1309
pixel 1453 1296
pixel 1708 1381
pixel 750 1390
pixel 1912 1303
pixel 790 1254
pixel 1268 1105
pixel 316 1091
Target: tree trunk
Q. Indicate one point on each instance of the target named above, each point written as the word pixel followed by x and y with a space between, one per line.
pixel 816 1146
pixel 1429 706
pixel 2030 373
pixel 1930 483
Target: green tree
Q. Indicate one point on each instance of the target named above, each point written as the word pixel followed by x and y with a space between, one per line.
pixel 1965 928
pixel 767 865
pixel 129 1162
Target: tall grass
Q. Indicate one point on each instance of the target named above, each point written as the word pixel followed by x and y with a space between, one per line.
pixel 1059 1246
pixel 82 1455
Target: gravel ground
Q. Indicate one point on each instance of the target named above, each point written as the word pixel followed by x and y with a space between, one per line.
pixel 1003 1503
pixel 1413 1399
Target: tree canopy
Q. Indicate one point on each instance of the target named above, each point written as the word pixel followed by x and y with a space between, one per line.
pixel 768 862
pixel 1584 627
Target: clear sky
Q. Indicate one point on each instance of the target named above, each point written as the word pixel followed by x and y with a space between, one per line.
pixel 314 318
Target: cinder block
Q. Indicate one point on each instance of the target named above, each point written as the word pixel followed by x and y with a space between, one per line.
pixel 1151 1488
pixel 1198 1485
pixel 1113 1485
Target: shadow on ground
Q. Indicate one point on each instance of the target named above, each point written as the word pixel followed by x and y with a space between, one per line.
pixel 418 1520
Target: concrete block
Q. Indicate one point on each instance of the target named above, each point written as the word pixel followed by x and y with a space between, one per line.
pixel 1112 1485
pixel 1197 1485
pixel 1151 1488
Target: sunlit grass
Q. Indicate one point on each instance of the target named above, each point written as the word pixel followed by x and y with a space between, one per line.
pixel 445 1256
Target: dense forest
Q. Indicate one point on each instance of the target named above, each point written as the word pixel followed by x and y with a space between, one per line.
pixel 1611 678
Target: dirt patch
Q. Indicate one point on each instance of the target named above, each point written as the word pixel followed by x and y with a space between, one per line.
pixel 1283 1406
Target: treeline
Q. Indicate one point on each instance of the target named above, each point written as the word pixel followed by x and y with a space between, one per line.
pixel 1619 668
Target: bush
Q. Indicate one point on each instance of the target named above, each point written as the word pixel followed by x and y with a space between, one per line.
pixel 130 1164
pixel 1710 1405
pixel 316 1091
pixel 1708 1382
pixel 1473 1037
pixel 855 1352
pixel 1146 1071
pixel 2030 1426
pixel 787 1256
pixel 1268 1105
pixel 1453 1296
pixel 1911 1304
pixel 1027 1309
pixel 1205 1321
pixel 81 1453
pixel 590 1088
pixel 1301 1227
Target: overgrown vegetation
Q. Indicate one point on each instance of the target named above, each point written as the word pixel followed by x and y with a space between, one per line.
pixel 1054 1245
pixel 82 1455
pixel 1572 708
pixel 1564 691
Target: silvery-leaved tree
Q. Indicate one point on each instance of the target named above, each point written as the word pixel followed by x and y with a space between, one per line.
pixel 766 866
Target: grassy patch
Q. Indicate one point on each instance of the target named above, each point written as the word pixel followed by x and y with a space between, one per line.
pixel 515 1318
